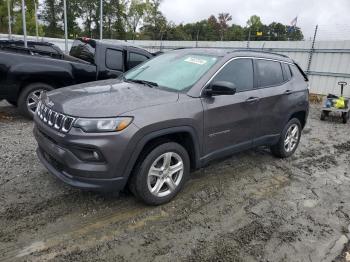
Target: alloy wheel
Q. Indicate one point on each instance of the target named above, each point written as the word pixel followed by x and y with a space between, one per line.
pixel 165 174
pixel 292 137
pixel 33 100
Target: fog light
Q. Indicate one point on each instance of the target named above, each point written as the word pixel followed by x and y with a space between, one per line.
pixel 87 154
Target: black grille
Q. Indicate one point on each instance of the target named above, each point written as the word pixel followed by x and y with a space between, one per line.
pixel 58 121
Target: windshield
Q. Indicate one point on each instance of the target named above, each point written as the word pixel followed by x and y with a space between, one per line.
pixel 174 71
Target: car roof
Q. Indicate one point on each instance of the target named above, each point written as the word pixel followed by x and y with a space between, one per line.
pixel 113 43
pixel 21 42
pixel 229 52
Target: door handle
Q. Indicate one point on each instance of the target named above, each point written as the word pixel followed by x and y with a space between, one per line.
pixel 252 99
pixel 288 92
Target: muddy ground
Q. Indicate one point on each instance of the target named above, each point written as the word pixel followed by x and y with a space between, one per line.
pixel 250 207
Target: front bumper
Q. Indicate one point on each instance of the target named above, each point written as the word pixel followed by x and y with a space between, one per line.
pixel 56 152
pixel 112 184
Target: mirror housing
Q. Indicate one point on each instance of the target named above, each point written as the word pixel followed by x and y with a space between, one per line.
pixel 219 88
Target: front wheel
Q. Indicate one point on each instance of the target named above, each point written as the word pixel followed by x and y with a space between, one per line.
pixel 29 98
pixel 289 139
pixel 12 102
pixel 161 174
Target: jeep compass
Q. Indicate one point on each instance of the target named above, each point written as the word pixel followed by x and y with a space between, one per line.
pixel 172 114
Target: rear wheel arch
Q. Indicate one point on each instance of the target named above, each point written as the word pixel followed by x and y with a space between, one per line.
pixel 301 116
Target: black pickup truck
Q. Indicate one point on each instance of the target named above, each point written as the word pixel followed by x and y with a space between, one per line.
pixel 26 72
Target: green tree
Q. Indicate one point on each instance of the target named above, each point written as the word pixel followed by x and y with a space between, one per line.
pixel 121 21
pixel 52 17
pixel 88 9
pixel 73 13
pixel 223 19
pixel 155 23
pixel 135 14
pixel 236 33
pixel 254 25
pixel 213 29
pixel 3 17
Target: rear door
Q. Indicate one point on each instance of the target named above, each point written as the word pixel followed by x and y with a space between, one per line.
pixel 230 120
pixel 276 90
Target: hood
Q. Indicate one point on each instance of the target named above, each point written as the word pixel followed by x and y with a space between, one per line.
pixel 108 98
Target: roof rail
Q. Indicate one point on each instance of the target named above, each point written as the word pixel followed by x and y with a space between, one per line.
pixel 258 50
pixel 235 49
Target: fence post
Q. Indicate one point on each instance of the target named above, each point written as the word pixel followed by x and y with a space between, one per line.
pixel 24 24
pixel 312 50
pixel 161 41
pixel 9 17
pixel 36 22
pixel 65 26
pixel 248 42
pixel 101 19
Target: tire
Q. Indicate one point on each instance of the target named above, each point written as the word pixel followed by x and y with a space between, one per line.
pixel 11 102
pixel 345 117
pixel 142 182
pixel 282 150
pixel 323 116
pixel 31 94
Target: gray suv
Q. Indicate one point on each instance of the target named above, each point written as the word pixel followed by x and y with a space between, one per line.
pixel 170 115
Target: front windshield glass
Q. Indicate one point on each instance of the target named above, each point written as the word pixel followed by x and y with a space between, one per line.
pixel 174 71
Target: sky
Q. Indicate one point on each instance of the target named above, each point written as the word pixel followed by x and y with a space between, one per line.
pixel 332 16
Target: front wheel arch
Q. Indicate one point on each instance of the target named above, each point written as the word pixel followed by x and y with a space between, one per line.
pixel 153 139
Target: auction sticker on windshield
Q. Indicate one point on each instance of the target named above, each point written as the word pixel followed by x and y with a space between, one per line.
pixel 195 60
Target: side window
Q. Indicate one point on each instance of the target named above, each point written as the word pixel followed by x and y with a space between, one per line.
pixel 114 59
pixel 135 59
pixel 296 72
pixel 239 72
pixel 269 73
pixel 286 72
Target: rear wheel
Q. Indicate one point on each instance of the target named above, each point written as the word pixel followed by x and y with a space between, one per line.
pixel 289 139
pixel 323 115
pixel 345 117
pixel 161 174
pixel 29 98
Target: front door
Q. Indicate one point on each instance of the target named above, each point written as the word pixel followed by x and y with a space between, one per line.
pixel 230 120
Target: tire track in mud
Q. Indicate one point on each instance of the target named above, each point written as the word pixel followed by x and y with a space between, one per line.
pixel 202 198
pixel 74 231
pixel 207 199
pixel 269 187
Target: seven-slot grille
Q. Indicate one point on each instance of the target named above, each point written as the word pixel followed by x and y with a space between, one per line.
pixel 54 119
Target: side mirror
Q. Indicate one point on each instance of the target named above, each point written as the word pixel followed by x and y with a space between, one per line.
pixel 220 88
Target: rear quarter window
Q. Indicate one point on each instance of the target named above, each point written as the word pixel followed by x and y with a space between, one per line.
pixel 82 50
pixel 269 73
pixel 286 72
pixel 296 73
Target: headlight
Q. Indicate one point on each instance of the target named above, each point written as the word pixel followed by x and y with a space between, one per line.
pixel 95 125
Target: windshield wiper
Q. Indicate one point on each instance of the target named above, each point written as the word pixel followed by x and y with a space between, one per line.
pixel 143 82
